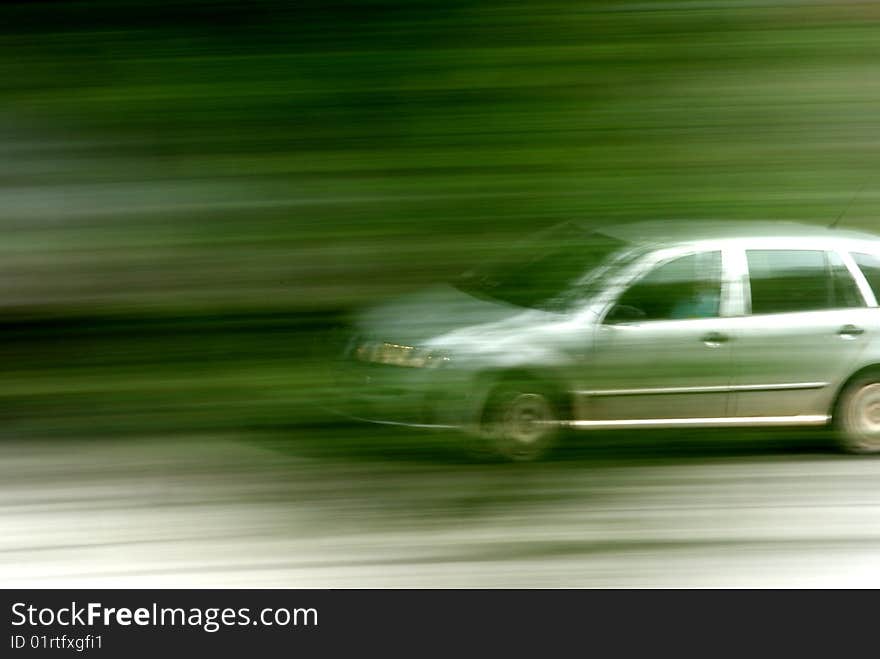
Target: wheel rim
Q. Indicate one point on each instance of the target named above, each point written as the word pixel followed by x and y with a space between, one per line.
pixel 863 417
pixel 527 419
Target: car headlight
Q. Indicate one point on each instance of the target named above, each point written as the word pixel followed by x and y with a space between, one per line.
pixel 394 354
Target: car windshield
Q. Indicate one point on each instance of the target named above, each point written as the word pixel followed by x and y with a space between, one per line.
pixel 547 271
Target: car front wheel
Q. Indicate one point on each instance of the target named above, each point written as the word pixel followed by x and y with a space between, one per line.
pixel 521 423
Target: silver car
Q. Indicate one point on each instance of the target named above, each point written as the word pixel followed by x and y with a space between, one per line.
pixel 644 325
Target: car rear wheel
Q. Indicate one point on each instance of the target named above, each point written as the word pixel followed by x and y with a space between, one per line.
pixel 521 423
pixel 858 416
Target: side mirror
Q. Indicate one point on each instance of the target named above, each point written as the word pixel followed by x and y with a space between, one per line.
pixel 624 313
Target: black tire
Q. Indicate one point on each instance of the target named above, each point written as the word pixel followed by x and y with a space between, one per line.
pixel 857 416
pixel 521 422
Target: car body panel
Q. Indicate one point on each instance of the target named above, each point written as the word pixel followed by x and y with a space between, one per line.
pixel 789 363
pixel 655 370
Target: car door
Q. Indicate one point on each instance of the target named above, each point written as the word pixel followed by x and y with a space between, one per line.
pixel 662 350
pixel 807 322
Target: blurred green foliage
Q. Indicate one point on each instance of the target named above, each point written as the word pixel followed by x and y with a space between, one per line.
pixel 226 170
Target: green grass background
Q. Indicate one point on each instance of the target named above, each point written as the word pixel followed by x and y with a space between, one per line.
pixel 190 193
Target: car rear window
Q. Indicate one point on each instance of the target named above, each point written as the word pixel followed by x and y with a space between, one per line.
pixel 784 281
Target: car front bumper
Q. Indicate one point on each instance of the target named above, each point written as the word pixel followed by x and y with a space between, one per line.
pixel 399 396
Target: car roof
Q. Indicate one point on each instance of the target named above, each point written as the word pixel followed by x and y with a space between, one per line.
pixel 666 232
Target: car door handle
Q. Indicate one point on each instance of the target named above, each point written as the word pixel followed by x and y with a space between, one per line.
pixel 850 331
pixel 714 339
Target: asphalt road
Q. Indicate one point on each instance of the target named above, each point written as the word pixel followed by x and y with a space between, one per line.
pixel 299 511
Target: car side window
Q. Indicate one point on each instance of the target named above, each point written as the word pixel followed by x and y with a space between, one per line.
pixel 870 267
pixel 845 293
pixel 785 281
pixel 685 287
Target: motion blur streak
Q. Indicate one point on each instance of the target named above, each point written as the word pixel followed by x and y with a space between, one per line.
pixel 193 194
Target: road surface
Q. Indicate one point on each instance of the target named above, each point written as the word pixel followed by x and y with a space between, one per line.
pixel 287 511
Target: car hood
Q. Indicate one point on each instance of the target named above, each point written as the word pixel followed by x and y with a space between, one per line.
pixel 416 318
